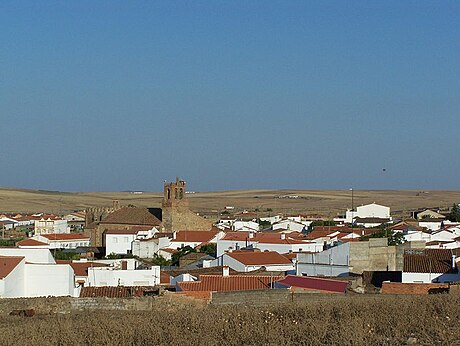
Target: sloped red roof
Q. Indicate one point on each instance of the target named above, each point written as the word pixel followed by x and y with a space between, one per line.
pixel 81 268
pixel 312 283
pixel 30 242
pixel 263 237
pixel 219 283
pixel 7 264
pixel 65 236
pixel 194 236
pixel 132 216
pixel 258 257
pixel 428 261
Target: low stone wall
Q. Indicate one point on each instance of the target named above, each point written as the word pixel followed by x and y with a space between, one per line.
pixel 413 288
pixel 267 297
pixel 66 304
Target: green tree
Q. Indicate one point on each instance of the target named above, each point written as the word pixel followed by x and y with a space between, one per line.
pixel 160 261
pixel 394 238
pixel 113 255
pixel 61 255
pixel 182 252
pixel 454 214
pixel 209 249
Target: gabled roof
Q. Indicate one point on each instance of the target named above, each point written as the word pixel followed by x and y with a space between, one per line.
pixel 219 283
pixel 428 261
pixel 194 236
pixel 81 268
pixel 31 242
pixel 65 236
pixel 262 237
pixel 7 264
pixel 259 258
pixel 312 283
pixel 135 216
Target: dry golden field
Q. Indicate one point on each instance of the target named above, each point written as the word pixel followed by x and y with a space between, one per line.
pixel 378 320
pixel 325 202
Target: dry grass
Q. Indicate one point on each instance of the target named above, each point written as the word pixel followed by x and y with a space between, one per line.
pixel 385 320
pixel 325 202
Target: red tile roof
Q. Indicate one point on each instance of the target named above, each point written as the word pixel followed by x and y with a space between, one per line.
pixel 194 236
pixel 132 216
pixel 428 261
pixel 81 268
pixel 258 257
pixel 312 283
pixel 262 237
pixel 7 264
pixel 218 283
pixel 30 242
pixel 65 236
pixel 114 292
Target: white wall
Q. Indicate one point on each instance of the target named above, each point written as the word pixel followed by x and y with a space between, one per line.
pixel 31 255
pixel 51 226
pixel 100 276
pixel 429 277
pixel 240 267
pixel 13 286
pixel 118 243
pixel 148 248
pixel 43 280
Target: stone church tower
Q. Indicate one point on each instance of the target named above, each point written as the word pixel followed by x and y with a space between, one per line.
pixel 174 194
pixel 176 215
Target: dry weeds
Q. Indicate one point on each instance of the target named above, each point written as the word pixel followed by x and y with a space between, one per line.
pixel 429 320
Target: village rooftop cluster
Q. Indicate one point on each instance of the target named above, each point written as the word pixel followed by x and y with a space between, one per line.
pixel 125 251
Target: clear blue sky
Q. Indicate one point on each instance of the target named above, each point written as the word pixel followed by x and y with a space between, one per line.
pixel 121 95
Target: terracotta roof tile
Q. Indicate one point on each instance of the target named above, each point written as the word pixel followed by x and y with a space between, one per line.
pixel 218 283
pixel 65 236
pixel 258 257
pixel 194 236
pixel 312 283
pixel 134 216
pixel 81 268
pixel 428 261
pixel 114 291
pixel 30 242
pixel 7 264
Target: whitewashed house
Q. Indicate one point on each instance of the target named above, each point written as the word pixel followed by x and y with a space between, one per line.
pixel 429 265
pixel 291 225
pixel 149 247
pixel 64 241
pixel 33 273
pixel 50 224
pixel 373 210
pixel 247 261
pixel 194 238
pixel 271 241
pixel 248 226
pixel 106 276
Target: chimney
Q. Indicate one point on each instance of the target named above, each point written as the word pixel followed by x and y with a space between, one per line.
pixel 251 235
pixel 124 265
pixel 283 236
pixel 174 235
pixel 225 271
pixel 453 261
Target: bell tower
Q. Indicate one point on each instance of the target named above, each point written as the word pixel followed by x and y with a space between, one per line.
pixel 174 194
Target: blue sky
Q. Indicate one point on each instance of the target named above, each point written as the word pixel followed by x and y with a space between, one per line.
pixel 121 95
